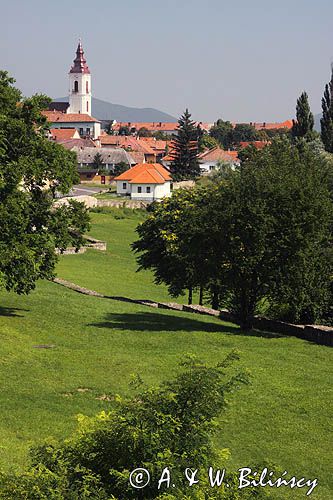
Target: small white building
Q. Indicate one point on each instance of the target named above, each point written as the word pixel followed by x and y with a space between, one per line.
pixel 212 158
pixel 145 182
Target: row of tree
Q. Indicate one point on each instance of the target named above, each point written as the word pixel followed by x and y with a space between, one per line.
pixel 258 234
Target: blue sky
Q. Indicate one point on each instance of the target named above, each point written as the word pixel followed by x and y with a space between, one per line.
pixel 240 60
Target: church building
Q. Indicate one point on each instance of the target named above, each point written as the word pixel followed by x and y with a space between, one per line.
pixel 76 112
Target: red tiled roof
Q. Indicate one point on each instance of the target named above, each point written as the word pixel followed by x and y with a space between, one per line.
pixel 216 154
pixel 129 142
pixel 64 133
pixel 155 144
pixel 269 126
pixel 80 143
pixel 58 117
pixel 145 173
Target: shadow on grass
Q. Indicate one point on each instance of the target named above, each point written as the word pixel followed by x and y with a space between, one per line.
pixel 11 312
pixel 155 322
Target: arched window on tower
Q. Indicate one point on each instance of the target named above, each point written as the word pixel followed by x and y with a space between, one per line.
pixel 87 106
pixel 76 86
pixel 87 88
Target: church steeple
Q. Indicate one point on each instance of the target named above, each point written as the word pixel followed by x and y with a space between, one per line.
pixel 79 84
pixel 80 64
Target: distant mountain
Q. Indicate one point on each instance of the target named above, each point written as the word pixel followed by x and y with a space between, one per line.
pixel 104 110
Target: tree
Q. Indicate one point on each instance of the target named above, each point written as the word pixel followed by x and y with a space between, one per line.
pixel 326 121
pixel 222 131
pixel 207 142
pixel 109 127
pixel 304 123
pixel 32 169
pixel 120 168
pixel 275 218
pixel 98 161
pixel 243 132
pixel 144 132
pixel 260 231
pixel 124 130
pixel 185 164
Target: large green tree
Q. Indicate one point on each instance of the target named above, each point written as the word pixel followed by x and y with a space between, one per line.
pixel 304 123
pixel 326 121
pixel 32 169
pixel 185 164
pixel 261 231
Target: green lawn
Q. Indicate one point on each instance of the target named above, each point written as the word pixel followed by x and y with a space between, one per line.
pixel 284 416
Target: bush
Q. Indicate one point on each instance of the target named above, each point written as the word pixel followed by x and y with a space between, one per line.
pixel 168 426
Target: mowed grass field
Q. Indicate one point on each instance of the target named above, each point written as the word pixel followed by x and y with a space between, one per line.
pixel 284 416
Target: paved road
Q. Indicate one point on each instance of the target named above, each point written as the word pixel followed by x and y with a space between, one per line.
pixel 81 190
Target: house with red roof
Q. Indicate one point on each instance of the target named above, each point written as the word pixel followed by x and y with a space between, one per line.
pixel 145 182
pixel 211 158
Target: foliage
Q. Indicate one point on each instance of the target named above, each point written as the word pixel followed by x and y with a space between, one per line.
pixel 207 142
pixel 160 135
pixel 32 169
pixel 326 121
pixel 261 231
pixel 124 130
pixel 171 425
pixel 172 242
pixel 229 136
pixel 304 123
pixel 221 132
pixel 144 132
pixel 185 164
pixel 98 161
pixel 120 168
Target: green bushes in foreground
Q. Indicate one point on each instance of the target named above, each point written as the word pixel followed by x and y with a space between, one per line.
pixel 168 426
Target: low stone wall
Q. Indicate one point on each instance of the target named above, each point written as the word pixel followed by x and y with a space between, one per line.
pixel 183 185
pixel 91 243
pixel 89 201
pixel 318 334
pixel 122 203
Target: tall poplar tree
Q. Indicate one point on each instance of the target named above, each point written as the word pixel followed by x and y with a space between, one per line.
pixel 304 123
pixel 185 164
pixel 326 121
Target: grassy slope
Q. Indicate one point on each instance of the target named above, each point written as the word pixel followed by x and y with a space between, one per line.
pixel 284 416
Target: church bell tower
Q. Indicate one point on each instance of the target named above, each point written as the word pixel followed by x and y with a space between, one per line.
pixel 79 85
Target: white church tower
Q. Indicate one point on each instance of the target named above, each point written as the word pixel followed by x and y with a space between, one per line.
pixel 79 85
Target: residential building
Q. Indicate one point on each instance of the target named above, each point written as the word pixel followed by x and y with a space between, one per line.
pixel 145 182
pixel 211 158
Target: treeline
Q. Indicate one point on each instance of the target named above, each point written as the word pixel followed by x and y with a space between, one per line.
pixel 256 237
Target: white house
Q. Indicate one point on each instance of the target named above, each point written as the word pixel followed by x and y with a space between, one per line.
pixel 210 159
pixel 145 182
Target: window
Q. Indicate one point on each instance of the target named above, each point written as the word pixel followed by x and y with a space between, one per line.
pixel 76 86
pixel 87 88
pixel 81 131
pixel 87 106
pixel 139 189
pixel 148 189
pixel 124 185
pixel 88 131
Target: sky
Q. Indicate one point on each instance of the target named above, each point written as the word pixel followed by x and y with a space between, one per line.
pixel 240 60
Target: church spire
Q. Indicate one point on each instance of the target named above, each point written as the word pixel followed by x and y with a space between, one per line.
pixel 80 64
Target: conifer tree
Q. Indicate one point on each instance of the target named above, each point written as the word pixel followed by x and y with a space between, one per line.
pixel 304 123
pixel 326 121
pixel 185 164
